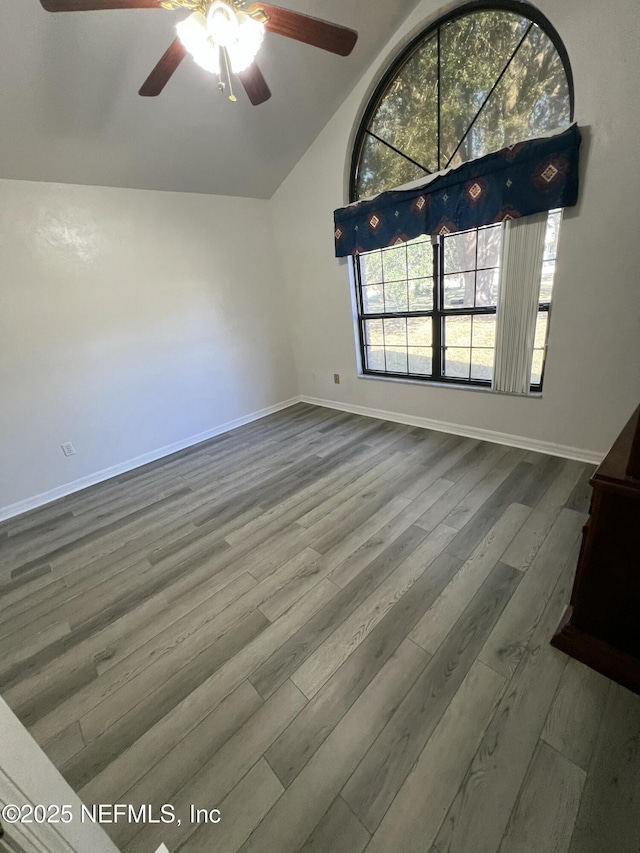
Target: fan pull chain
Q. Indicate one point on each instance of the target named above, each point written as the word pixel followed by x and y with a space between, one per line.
pixel 232 97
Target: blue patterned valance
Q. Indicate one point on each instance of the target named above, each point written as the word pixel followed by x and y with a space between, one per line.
pixel 529 177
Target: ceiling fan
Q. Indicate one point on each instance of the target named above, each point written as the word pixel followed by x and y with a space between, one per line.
pixel 224 36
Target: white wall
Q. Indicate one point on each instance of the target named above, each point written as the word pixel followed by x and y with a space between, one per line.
pixel 592 380
pixel 129 321
pixel 27 776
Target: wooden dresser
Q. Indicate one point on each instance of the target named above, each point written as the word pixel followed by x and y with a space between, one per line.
pixel 601 626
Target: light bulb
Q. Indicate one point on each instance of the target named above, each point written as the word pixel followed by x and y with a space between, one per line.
pixel 193 31
pixel 222 24
pixel 194 35
pixel 208 58
pixel 243 51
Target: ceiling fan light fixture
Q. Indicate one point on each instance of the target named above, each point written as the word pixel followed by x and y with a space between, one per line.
pixel 236 33
pixel 222 39
pixel 193 32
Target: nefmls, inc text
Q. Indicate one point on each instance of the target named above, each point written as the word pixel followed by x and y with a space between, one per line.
pixel 144 814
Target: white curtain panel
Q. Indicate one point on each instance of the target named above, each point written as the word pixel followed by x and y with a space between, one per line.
pixel 517 312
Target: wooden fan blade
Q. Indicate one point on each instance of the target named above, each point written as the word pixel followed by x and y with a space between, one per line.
pixel 255 85
pixel 97 5
pixel 314 31
pixel 161 74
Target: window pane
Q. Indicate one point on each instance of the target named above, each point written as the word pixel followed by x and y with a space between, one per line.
pixel 552 234
pixel 395 341
pixel 373 332
pixel 536 367
pixel 546 281
pixel 420 258
pixel 457 362
pixel 394 264
pixel 375 358
pixel 541 330
pixel 531 99
pixel 457 331
pixel 381 168
pixel 550 250
pixel 371 267
pixel 421 294
pixel 372 299
pixel 459 290
pixel 395 332
pixel 460 252
pixel 396 359
pixel 419 331
pixel 407 116
pixel 421 360
pixel 395 296
pixel 484 331
pixel 482 363
pixel 540 342
pixel 489 246
pixel 474 48
pixel 487 283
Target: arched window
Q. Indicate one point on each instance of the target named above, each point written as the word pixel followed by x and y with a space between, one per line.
pixel 487 75
pixel 483 77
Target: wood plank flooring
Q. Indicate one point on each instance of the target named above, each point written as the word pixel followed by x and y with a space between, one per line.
pixel 335 630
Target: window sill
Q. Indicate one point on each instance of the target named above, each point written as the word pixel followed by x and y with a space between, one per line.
pixel 449 386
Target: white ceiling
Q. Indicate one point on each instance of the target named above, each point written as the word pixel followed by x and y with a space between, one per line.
pixel 70 112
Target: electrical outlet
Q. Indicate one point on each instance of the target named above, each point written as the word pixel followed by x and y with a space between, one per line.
pixel 68 449
pixel 336 378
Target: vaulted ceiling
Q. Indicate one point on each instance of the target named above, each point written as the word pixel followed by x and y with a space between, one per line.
pixel 70 112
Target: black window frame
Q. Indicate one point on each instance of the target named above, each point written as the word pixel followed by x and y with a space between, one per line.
pixel 438 315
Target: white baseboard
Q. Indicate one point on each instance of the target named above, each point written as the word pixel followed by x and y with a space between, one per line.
pixel 522 442
pixel 121 468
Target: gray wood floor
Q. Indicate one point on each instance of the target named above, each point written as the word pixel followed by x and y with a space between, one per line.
pixel 333 629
